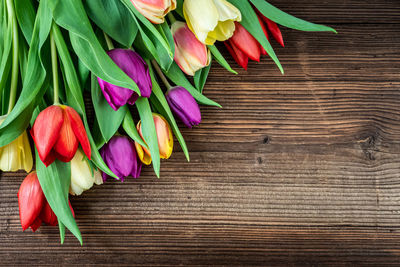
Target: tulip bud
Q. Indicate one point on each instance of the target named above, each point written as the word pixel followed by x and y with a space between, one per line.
pixel 30 200
pixel 190 54
pixel 184 106
pixel 57 131
pixel 82 176
pixel 17 155
pixel 154 10
pixel 120 156
pixel 136 68
pixel 211 20
pixel 164 137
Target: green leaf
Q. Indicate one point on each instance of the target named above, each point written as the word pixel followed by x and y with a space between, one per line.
pixel 155 42
pixel 130 128
pixel 158 99
pixel 74 95
pixel 114 19
pixel 250 22
pixel 108 119
pixel 71 15
pixel 200 77
pixel 34 84
pixel 5 63
pixel 179 8
pixel 287 20
pixel 176 75
pixel 55 181
pixel 73 91
pixel 26 17
pixel 165 31
pixel 220 58
pixel 149 132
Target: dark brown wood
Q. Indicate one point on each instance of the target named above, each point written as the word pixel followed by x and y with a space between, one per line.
pixel 301 169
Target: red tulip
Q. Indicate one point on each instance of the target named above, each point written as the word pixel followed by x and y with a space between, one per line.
pixel 48 216
pixel 57 131
pixel 30 200
pixel 243 46
pixel 273 28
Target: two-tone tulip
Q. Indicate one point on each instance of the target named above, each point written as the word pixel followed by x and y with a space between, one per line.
pixel 57 131
pixel 211 20
pixel 154 10
pixel 82 175
pixel 120 156
pixel 164 138
pixel 190 54
pixel 136 68
pixel 184 106
pixel 17 155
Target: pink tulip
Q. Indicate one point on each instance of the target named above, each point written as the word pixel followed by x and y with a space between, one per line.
pixel 154 10
pixel 190 54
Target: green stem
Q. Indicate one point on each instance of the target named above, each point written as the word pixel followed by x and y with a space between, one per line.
pixel 161 74
pixel 109 42
pixel 15 68
pixel 171 17
pixel 54 67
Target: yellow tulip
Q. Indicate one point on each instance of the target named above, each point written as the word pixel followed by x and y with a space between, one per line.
pixel 17 155
pixel 211 20
pixel 82 176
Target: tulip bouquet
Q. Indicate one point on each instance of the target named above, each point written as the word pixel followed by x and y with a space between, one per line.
pixel 143 63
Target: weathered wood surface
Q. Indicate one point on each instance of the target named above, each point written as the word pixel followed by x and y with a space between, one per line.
pixel 301 169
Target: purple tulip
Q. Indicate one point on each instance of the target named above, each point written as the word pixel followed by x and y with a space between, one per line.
pixel 120 156
pixel 184 106
pixel 136 68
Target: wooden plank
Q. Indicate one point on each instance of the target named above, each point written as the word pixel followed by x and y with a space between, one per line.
pixel 301 169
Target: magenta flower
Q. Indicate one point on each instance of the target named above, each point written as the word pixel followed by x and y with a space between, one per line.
pixel 120 156
pixel 184 106
pixel 136 68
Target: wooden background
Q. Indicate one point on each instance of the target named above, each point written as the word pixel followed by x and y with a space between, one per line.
pixel 301 169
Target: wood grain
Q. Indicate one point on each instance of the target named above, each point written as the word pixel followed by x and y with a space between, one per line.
pixel 301 169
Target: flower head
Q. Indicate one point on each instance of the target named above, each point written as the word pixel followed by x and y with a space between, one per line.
pixel 136 68
pixel 57 131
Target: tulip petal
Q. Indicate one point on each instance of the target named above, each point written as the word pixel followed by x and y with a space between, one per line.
pixel 48 216
pixel 30 200
pixel 202 17
pixel 244 41
pixel 36 224
pixel 17 155
pixel 154 10
pixel 190 54
pixel 81 174
pixel 164 136
pixel 46 130
pixel 144 157
pixel 79 130
pixel 67 144
pixel 237 54
pixel 184 106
